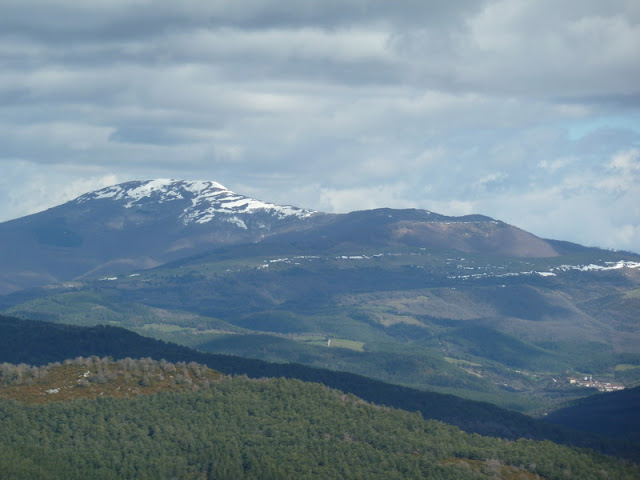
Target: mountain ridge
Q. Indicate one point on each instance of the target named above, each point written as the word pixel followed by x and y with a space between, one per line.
pixel 142 224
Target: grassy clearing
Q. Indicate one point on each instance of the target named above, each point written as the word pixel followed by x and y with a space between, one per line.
pixel 458 361
pixel 623 367
pixel 322 341
pixel 632 293
pixel 163 327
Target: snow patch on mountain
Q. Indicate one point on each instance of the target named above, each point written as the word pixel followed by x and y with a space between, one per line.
pixel 207 200
pixel 562 268
pixel 593 267
pixel 136 191
pixel 238 222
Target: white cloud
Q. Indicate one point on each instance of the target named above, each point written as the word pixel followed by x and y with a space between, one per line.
pixel 363 198
pixel 597 206
pixel 454 207
pixel 627 161
pixel 550 49
pixel 490 180
pixel 28 188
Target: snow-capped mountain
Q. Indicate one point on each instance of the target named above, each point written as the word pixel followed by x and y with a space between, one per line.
pixel 142 224
pixel 136 225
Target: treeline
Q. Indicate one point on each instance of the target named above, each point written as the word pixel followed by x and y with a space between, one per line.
pixel 266 429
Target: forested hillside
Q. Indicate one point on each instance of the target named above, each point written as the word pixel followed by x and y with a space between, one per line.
pixel 239 428
pixel 39 343
pixel 612 414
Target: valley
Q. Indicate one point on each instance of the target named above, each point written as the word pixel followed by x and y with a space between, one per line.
pixel 414 316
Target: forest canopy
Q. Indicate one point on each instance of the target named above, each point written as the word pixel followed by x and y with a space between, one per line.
pixel 235 427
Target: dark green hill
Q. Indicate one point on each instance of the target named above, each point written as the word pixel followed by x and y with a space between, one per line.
pixel 613 414
pixel 232 428
pixel 38 343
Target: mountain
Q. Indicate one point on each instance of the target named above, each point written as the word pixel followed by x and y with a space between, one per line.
pixel 134 225
pixel 421 228
pixel 143 224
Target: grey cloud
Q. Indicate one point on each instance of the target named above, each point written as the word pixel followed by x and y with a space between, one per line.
pixel 68 20
pixel 622 101
pixel 514 48
pixel 14 96
pixel 149 135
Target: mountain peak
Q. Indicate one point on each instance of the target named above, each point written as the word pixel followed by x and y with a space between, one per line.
pixel 203 200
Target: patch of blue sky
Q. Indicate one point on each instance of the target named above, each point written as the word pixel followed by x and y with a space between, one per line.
pixel 580 129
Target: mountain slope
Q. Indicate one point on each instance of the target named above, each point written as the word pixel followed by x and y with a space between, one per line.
pixel 421 228
pixel 612 414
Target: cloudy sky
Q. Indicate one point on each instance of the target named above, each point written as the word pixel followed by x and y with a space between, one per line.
pixel 524 110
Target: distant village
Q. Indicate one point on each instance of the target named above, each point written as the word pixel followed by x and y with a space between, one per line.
pixel 589 382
